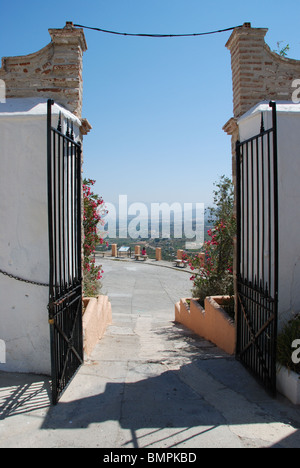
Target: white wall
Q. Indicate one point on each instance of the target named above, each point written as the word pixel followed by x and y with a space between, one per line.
pixel 24 249
pixel 288 125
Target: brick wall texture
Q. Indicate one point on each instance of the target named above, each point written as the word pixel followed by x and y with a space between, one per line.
pixel 53 72
pixel 258 74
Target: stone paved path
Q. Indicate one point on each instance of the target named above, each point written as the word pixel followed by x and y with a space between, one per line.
pixel 149 383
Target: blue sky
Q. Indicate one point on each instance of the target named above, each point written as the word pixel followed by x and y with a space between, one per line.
pixel 157 106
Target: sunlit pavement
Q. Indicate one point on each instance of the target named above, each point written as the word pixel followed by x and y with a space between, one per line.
pixel 149 383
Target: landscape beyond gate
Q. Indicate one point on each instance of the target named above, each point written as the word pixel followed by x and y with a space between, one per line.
pixel 65 282
pixel 257 252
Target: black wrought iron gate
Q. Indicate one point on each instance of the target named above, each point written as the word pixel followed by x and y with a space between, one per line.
pixel 257 252
pixel 65 282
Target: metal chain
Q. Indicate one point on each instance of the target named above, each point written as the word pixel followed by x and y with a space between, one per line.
pixel 10 275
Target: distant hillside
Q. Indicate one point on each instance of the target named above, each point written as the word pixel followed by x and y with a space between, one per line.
pixel 169 245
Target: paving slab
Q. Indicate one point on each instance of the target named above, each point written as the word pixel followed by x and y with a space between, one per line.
pixel 149 383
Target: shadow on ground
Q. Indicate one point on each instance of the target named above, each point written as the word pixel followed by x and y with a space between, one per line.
pixel 23 393
pixel 161 403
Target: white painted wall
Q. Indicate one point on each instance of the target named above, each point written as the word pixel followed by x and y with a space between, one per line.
pixel 288 124
pixel 24 251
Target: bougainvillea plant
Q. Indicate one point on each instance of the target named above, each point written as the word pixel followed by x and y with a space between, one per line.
pixel 214 276
pixel 93 212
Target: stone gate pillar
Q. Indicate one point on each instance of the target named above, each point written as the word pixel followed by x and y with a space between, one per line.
pixel 258 75
pixel 53 72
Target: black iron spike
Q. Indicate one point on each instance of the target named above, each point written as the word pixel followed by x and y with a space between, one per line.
pixel 59 122
pixel 67 132
pixel 72 130
pixel 262 126
pixel 266 290
pixel 261 286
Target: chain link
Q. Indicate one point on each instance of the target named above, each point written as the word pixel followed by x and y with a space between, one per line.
pixel 10 275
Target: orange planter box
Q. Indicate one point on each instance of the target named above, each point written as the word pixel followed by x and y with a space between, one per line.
pixel 96 318
pixel 211 322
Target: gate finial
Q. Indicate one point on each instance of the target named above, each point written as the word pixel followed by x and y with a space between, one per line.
pixel 59 122
pixel 262 127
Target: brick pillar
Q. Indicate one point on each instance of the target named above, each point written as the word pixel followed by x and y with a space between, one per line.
pixel 53 72
pixel 245 45
pixel 137 250
pixel 258 74
pixel 179 254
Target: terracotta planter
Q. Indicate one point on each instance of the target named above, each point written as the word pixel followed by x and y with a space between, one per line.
pixel 97 316
pixel 183 314
pixel 288 384
pixel 210 322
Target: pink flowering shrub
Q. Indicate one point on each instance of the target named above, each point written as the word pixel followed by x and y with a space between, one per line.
pixel 214 276
pixel 93 211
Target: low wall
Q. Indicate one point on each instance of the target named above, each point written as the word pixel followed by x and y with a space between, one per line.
pixel 211 322
pixel 96 318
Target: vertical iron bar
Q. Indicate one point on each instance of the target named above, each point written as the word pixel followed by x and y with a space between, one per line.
pixel 59 215
pixel 242 213
pixel 263 214
pixel 50 102
pixel 76 276
pixel 270 198
pixel 247 209
pixel 79 188
pixel 63 214
pixel 252 213
pixel 258 211
pixel 269 285
pixel 72 214
pixel 238 243
pixel 276 236
pixel 53 158
pixel 50 190
pixel 79 228
pixel 68 212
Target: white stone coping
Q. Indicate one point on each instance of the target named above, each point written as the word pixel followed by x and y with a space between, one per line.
pixel 281 106
pixel 35 107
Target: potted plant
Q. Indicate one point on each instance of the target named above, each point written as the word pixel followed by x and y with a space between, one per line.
pixel 96 307
pixel 210 313
pixel 214 276
pixel 93 211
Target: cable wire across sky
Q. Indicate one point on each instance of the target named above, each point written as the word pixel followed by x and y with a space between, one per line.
pixel 155 35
